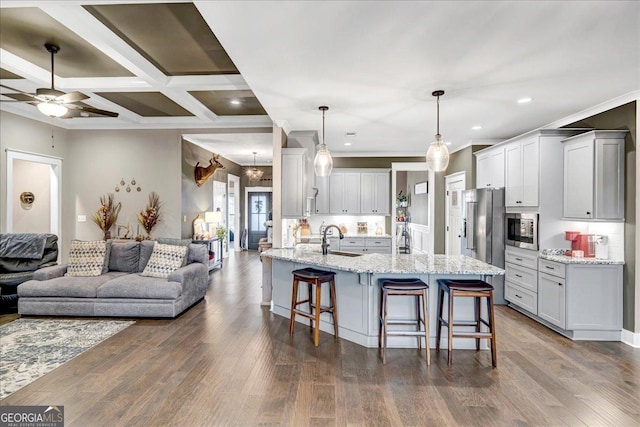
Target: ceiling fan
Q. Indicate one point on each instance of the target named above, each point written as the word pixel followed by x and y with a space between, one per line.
pixel 55 103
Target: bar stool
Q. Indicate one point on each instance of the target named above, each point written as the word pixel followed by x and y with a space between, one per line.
pixel 476 289
pixel 405 287
pixel 313 276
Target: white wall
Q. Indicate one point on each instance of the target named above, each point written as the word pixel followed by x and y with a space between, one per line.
pixel 99 159
pixel 35 178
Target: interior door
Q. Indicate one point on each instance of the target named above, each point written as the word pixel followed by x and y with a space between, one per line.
pixel 259 211
pixel 453 234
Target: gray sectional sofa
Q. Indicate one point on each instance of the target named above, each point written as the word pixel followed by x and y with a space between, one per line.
pixel 120 291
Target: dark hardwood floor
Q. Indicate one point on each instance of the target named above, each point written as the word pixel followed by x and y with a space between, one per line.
pixel 228 361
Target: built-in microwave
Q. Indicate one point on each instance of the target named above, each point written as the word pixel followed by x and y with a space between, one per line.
pixel 522 230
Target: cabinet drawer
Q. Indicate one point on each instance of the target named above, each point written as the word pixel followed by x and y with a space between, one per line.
pixel 378 243
pixel 521 297
pixel 520 258
pixel 524 277
pixel 348 242
pixel 551 267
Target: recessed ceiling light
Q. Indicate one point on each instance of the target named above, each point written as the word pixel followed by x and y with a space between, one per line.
pixel 524 100
pixel 235 101
pixel 476 127
pixel 350 137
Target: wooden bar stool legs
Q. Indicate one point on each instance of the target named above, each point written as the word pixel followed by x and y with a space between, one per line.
pixel 406 287
pixel 476 289
pixel 314 277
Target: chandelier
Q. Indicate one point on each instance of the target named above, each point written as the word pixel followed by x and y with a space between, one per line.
pixel 323 163
pixel 438 154
pixel 254 174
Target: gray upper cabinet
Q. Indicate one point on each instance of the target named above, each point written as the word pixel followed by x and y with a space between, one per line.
pixel 594 175
pixel 293 182
pixel 322 198
pixel 344 193
pixel 522 172
pixel 375 196
pixel 490 168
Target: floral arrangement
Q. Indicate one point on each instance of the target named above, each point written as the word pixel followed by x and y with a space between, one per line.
pixel 221 232
pixel 149 217
pixel 402 199
pixel 107 214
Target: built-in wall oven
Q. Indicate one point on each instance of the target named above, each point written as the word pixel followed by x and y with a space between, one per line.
pixel 522 230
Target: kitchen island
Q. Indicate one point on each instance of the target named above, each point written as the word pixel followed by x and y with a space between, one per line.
pixel 358 293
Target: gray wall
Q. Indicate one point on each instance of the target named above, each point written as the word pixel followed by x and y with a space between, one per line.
pixel 624 118
pixel 99 159
pixel 196 200
pixel 19 133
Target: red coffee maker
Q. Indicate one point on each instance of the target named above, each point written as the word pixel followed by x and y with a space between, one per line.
pixel 581 242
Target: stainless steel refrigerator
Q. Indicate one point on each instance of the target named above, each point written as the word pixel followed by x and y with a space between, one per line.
pixel 483 231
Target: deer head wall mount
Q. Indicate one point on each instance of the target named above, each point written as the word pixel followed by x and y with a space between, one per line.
pixel 202 174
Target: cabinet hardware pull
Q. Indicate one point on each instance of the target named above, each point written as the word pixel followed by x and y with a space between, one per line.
pixel 518 296
pixel 517 275
pixel 588 213
pixel 550 268
pixel 518 259
pixel 559 284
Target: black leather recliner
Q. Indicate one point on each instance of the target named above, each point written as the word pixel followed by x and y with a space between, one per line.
pixel 15 269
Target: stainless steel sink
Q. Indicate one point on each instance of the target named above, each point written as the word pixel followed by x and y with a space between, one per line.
pixel 342 253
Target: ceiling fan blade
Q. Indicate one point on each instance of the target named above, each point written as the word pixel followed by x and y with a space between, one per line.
pixel 30 95
pixel 71 97
pixel 92 110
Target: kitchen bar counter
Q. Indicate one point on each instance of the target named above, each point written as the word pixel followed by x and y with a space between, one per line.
pixel 386 263
pixel 358 293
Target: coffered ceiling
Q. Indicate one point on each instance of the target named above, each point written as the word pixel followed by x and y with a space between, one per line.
pixel 243 64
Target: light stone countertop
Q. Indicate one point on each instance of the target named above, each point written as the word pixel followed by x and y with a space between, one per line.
pixel 386 263
pixel 573 260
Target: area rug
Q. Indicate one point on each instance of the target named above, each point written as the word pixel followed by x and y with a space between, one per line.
pixel 31 348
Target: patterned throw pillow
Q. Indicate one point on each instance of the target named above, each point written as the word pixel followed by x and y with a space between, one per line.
pixel 164 260
pixel 86 258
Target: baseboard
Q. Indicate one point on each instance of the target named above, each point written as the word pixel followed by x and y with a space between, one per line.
pixel 630 338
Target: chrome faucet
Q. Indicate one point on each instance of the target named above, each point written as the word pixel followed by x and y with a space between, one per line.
pixel 325 244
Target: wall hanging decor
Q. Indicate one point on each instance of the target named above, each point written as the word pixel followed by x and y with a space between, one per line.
pixel 26 199
pixel 107 214
pixel 128 187
pixel 202 174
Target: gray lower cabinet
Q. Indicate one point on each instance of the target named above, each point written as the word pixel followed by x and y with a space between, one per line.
pixel 552 300
pixel 584 300
pixel 365 245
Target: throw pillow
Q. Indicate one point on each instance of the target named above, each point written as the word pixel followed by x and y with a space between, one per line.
pixel 164 260
pixel 124 257
pixel 86 259
pixel 177 242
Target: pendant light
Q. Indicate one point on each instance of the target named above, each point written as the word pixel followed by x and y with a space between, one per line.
pixel 254 174
pixel 438 154
pixel 323 163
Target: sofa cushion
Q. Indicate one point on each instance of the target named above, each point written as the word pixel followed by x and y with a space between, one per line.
pixel 68 286
pixel 125 256
pixel 86 259
pixel 142 287
pixel 146 249
pixel 164 259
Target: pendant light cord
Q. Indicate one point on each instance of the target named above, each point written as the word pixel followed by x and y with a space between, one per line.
pixel 438 114
pixel 323 111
